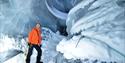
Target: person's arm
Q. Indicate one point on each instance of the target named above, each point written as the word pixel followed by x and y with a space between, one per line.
pixel 30 37
pixel 40 38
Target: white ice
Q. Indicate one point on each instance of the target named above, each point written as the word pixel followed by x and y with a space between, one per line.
pixel 102 24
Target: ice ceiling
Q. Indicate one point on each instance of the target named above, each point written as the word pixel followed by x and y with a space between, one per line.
pixel 19 16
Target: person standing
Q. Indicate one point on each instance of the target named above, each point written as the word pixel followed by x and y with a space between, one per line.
pixel 34 41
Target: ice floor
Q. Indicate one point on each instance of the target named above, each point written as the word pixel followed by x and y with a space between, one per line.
pixel 84 52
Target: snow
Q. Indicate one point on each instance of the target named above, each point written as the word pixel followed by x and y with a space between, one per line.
pixel 7 43
pixel 10 43
pixel 85 49
pixel 17 59
pixel 50 40
pixel 98 28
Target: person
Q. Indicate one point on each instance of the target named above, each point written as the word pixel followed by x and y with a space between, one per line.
pixel 34 41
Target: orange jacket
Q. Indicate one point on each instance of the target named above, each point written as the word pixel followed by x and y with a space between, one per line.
pixel 34 36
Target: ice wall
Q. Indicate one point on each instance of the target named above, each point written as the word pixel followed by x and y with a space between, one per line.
pixel 103 20
pixel 95 26
pixel 61 8
pixel 19 16
pixel 14 14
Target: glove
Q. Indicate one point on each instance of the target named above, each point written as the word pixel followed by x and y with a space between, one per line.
pixel 29 44
pixel 40 45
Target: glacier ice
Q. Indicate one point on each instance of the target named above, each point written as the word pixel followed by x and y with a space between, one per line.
pixel 96 30
pixel 60 8
pixel 12 49
pixel 19 16
pixel 98 26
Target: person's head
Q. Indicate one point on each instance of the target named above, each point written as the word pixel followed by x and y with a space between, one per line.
pixel 38 25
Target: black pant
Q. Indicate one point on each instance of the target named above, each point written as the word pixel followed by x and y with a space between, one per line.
pixel 30 53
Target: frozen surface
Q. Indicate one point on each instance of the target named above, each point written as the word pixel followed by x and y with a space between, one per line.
pixel 12 49
pixel 50 40
pixel 19 16
pixel 96 30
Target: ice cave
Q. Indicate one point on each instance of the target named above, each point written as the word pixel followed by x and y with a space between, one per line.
pixel 73 31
